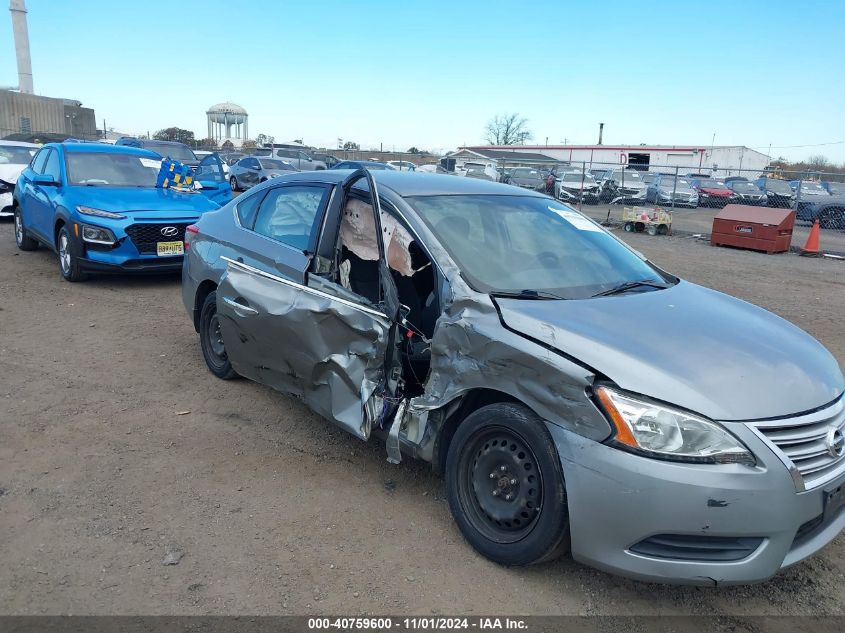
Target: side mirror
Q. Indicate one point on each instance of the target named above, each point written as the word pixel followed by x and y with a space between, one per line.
pixel 45 180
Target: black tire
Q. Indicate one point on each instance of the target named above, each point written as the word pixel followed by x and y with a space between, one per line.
pixel 22 239
pixel 233 183
pixel 629 227
pixel 69 250
pixel 832 218
pixel 522 518
pixel 211 341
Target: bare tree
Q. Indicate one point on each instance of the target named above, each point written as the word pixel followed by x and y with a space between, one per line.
pixel 818 161
pixel 507 129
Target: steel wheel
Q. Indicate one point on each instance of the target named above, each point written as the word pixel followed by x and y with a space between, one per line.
pixel 500 485
pixel 211 340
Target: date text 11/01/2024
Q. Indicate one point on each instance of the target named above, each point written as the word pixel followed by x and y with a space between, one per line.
pixel 417 623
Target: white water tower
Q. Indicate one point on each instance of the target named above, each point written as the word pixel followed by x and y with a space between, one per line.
pixel 226 118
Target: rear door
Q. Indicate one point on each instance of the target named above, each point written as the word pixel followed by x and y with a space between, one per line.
pixel 212 180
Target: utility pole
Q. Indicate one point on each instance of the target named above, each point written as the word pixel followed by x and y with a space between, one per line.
pixel 601 131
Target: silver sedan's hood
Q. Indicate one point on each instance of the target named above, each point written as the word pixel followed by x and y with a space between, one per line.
pixel 691 346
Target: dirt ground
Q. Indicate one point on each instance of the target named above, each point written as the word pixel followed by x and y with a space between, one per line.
pixel 118 448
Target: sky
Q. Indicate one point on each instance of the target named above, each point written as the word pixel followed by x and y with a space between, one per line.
pixel 431 74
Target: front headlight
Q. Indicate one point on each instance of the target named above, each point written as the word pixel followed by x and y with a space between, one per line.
pixel 99 213
pixel 662 432
pixel 97 235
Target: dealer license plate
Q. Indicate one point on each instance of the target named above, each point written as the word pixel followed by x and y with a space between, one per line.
pixel 165 249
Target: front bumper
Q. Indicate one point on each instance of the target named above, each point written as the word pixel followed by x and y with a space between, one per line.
pixel 618 500
pixel 679 201
pixel 6 204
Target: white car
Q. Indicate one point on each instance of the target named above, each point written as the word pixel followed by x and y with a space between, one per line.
pixel 402 165
pixel 14 157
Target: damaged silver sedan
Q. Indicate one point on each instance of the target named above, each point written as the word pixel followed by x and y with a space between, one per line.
pixel 575 396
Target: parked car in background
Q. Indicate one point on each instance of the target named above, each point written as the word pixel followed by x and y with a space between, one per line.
pixel 97 206
pixel 363 164
pixel 809 189
pixel 711 192
pixel 648 178
pixel 328 159
pixel 252 170
pixel 667 189
pixel 575 187
pixel 166 149
pixel 835 188
pixel 484 172
pixel 14 157
pixel 527 178
pixel 491 336
pixel 296 157
pixel 778 192
pixel 230 158
pixel 624 185
pixel 402 165
pixel 747 192
pixel 735 179
pixel 828 210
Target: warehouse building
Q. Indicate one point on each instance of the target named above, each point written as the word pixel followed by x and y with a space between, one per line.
pixel 725 160
pixel 27 115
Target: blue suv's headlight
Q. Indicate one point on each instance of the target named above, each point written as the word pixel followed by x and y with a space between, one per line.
pixel 99 213
pixel 97 235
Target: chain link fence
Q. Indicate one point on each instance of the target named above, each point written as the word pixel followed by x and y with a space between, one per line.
pixel 814 195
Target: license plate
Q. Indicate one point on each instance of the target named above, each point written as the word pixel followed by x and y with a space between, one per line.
pixel 834 500
pixel 165 249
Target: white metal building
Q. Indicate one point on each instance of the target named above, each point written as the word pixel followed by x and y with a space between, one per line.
pixel 724 160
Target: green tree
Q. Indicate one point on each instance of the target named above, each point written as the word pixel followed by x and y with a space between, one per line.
pixel 264 140
pixel 175 134
pixel 207 143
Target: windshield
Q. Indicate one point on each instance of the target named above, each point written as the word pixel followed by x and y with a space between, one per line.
pixel 526 173
pixel 669 181
pixel 176 152
pixel 629 176
pixel 576 177
pixel 836 188
pixel 711 184
pixel 111 169
pixel 812 187
pixel 745 187
pixel 375 166
pixel 16 155
pixel 267 163
pixel 514 243
pixel 778 186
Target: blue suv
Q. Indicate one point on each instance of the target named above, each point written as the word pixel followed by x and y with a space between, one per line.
pixel 98 207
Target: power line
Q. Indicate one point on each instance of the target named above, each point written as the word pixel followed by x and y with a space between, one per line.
pixel 798 146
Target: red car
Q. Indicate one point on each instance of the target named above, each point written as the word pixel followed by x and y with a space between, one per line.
pixel 711 192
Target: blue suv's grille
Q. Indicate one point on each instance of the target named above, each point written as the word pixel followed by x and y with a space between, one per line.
pixel 146 236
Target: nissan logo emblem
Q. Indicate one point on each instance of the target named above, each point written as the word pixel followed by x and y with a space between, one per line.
pixel 835 442
pixel 169 231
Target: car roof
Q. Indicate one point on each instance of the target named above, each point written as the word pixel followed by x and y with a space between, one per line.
pixel 103 148
pixel 18 144
pixel 409 183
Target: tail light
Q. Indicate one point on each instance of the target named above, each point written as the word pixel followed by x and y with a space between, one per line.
pixel 190 231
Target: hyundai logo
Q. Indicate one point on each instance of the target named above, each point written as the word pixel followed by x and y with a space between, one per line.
pixel 835 442
pixel 169 231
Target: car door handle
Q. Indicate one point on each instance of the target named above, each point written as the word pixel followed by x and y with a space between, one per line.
pixel 240 308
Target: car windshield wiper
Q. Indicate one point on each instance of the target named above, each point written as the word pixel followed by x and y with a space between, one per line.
pixel 630 285
pixel 528 293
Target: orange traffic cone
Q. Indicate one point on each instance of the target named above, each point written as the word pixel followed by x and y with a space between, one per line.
pixel 811 248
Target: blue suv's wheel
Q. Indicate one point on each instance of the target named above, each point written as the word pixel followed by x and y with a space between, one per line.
pixel 24 242
pixel 68 251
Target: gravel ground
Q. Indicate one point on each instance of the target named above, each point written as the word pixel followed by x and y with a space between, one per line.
pixel 120 451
